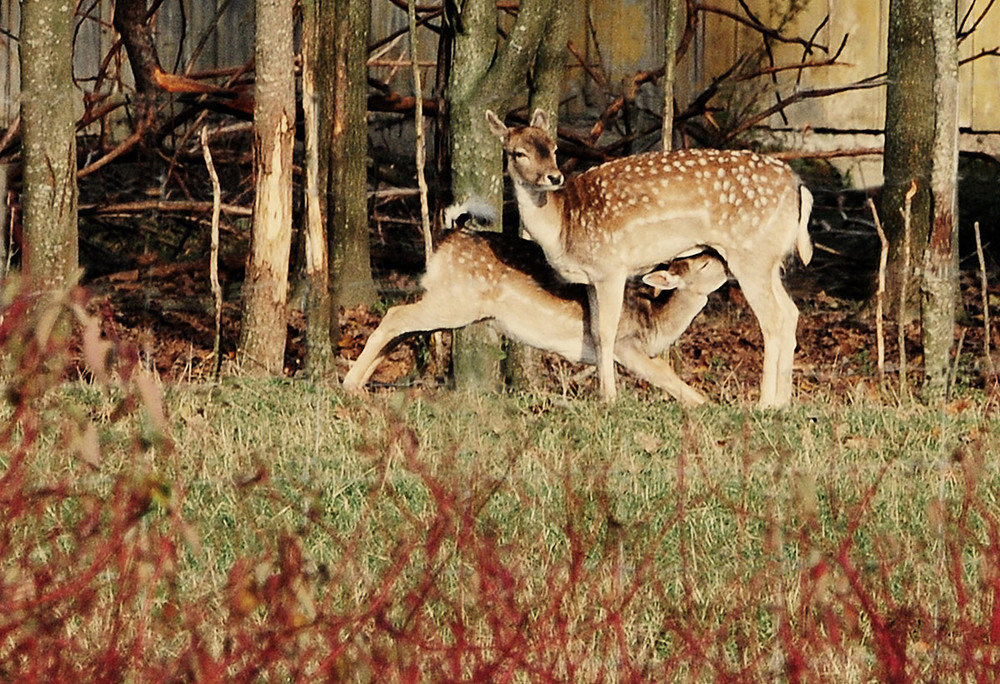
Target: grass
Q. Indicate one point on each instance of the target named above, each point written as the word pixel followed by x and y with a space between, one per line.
pixel 279 530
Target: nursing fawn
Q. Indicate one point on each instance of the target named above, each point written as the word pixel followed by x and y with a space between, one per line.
pixel 476 276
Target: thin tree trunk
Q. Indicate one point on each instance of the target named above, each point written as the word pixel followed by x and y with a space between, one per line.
pixel 940 276
pixel 671 38
pixel 49 108
pixel 262 344
pixel 350 262
pixel 909 139
pixel 320 318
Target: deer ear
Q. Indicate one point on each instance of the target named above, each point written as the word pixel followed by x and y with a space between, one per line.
pixel 540 119
pixel 664 280
pixel 497 126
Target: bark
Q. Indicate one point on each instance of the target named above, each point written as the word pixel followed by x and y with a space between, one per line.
pixel 319 312
pixel 485 75
pixel 671 39
pixel 131 22
pixel 265 289
pixel 909 140
pixel 549 73
pixel 49 108
pixel 547 78
pixel 350 263
pixel 921 145
pixel 939 292
pixel 5 170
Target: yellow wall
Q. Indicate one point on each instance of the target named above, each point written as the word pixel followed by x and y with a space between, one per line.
pixel 627 38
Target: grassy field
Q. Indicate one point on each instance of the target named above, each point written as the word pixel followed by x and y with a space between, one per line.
pixel 280 530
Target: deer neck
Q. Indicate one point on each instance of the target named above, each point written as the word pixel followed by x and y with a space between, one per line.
pixel 541 214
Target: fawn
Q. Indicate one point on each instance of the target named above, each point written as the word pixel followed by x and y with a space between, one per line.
pixel 475 276
pixel 624 217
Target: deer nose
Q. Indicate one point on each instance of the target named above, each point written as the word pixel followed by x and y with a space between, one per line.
pixel 555 178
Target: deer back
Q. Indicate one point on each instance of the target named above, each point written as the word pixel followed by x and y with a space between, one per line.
pixel 648 208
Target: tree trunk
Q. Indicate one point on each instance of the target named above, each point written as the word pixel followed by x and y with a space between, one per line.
pixel 350 262
pixel 49 108
pixel 547 78
pixel 909 140
pixel 262 344
pixel 485 76
pixel 131 21
pixel 319 311
pixel 671 39
pixel 921 147
pixel 939 291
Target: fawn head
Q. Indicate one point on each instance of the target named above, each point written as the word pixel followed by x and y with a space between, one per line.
pixel 531 152
pixel 700 274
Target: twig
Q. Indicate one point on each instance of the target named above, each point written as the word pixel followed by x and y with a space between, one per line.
pixel 953 367
pixel 179 206
pixel 671 39
pixel 12 133
pixel 992 52
pixel 418 122
pixel 5 224
pixel 986 300
pixel 594 74
pixel 883 259
pixel 132 141
pixel 761 28
pixel 213 268
pixel 828 154
pixel 798 97
pixel 963 32
pixel 904 279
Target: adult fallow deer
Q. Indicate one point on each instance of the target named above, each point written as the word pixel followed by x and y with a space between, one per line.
pixel 476 276
pixel 626 216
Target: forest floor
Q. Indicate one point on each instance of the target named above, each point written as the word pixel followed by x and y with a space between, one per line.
pixel 165 309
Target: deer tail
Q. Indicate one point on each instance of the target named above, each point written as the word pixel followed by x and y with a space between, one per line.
pixel 472 211
pixel 802 240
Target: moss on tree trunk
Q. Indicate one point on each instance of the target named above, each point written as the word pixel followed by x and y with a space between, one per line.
pixel 347 203
pixel 484 76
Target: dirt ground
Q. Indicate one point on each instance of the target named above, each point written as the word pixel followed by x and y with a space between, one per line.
pixel 165 309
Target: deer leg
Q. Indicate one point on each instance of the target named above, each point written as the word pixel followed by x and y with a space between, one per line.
pixel 421 316
pixel 658 372
pixel 786 361
pixel 776 314
pixel 606 299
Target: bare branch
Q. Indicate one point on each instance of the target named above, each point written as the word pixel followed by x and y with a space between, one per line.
pixel 163 206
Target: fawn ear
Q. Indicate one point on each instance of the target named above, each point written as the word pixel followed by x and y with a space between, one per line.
pixel 664 280
pixel 540 119
pixel 497 126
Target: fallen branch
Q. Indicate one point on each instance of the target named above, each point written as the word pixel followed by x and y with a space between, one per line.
pixel 165 206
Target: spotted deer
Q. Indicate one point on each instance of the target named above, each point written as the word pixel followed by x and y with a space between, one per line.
pixel 625 216
pixel 475 276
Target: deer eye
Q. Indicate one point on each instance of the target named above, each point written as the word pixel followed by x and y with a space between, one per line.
pixel 518 154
